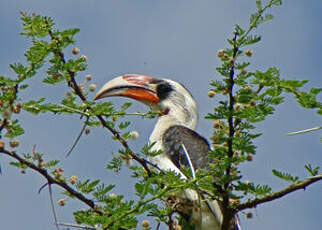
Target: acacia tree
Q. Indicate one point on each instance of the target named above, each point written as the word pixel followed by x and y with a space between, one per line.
pixel 248 97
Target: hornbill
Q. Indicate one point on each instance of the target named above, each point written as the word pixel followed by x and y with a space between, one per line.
pixel 173 134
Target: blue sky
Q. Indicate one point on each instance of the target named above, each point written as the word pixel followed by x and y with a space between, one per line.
pixel 178 40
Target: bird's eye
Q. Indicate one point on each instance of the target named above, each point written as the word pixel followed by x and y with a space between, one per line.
pixel 163 90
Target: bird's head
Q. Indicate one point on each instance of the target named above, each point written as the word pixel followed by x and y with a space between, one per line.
pixel 160 94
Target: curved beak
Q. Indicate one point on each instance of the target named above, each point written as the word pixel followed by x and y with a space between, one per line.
pixel 135 86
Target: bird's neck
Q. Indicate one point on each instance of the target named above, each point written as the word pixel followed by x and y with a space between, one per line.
pixel 175 116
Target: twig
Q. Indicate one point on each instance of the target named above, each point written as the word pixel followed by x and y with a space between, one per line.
pixel 78 137
pixel 304 131
pixel 276 195
pixel 42 187
pixel 3 124
pixel 260 87
pixel 255 20
pixel 75 226
pixel 170 222
pixel 155 166
pixel 52 205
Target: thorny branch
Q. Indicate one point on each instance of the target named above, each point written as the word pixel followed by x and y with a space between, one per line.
pixel 276 195
pixel 52 180
pixel 233 123
pixel 227 212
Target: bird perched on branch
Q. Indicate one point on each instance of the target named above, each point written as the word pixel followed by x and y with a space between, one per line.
pixel 174 134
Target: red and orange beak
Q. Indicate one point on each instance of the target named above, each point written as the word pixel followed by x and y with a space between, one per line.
pixel 135 86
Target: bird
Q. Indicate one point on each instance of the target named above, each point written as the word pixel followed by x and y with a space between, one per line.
pixel 174 133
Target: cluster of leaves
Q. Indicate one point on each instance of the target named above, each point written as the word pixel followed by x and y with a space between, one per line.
pixel 37 159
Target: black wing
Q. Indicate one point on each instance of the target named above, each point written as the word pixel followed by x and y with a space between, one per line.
pixel 196 146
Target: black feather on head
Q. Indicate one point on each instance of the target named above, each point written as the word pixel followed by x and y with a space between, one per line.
pixel 163 90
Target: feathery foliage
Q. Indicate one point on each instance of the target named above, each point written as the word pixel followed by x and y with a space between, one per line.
pixel 249 97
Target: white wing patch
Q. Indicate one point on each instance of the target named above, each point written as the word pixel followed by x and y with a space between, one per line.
pixel 193 173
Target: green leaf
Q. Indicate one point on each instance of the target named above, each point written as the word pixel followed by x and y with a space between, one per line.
pixel 239 30
pixel 33 106
pixel 285 176
pixel 253 20
pixel 277 2
pixel 37 53
pixel 36 25
pixel 54 79
pixel 101 192
pixel 146 150
pixel 18 164
pixel 66 37
pixel 125 106
pixel 126 135
pixel 22 87
pixel 242 65
pixel 259 5
pixel 51 163
pixel 105 108
pixel 76 65
pixel 262 190
pixel 18 68
pixel 258 190
pixel 124 125
pixel 250 40
pixel 268 17
pixel 312 171
pixel 115 164
pixel 14 129
pixel 87 186
pixel 93 184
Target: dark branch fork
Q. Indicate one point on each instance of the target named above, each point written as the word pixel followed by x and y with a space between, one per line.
pixel 50 179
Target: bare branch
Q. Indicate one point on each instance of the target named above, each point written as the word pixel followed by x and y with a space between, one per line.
pixel 76 226
pixel 304 131
pixel 78 137
pixel 276 195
